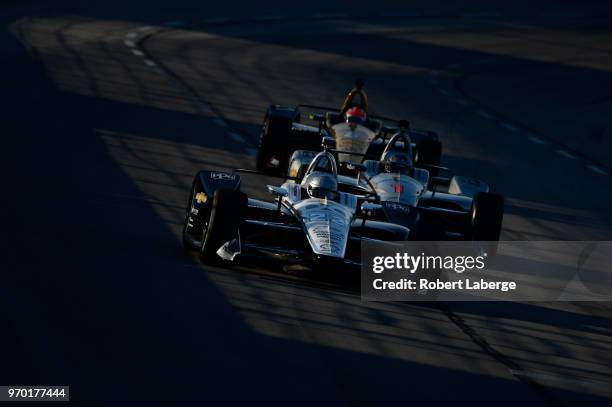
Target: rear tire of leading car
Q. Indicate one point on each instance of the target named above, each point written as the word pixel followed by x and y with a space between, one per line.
pixel 487 216
pixel 227 212
pixel 428 152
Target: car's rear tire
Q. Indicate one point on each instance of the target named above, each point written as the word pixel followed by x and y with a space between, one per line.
pixel 227 212
pixel 487 215
pixel 428 152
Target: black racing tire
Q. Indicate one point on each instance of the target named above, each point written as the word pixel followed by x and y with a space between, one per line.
pixel 189 232
pixel 487 215
pixel 188 243
pixel 428 152
pixel 226 214
pixel 275 132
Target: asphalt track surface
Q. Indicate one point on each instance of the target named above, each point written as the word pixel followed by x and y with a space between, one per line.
pixel 109 110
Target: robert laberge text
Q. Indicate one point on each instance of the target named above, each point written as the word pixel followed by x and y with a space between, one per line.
pixel 425 284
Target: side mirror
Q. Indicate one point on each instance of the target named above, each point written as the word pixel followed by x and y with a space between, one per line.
pixel 277 191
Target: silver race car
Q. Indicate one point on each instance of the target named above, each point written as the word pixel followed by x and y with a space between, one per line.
pixel 311 221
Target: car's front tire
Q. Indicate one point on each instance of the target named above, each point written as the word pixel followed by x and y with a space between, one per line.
pixel 196 215
pixel 226 214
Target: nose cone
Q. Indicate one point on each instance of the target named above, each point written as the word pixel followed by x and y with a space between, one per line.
pixel 326 225
pixel 328 237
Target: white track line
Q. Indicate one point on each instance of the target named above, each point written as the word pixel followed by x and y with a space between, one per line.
pixel 536 140
pixel 597 169
pixel 204 108
pixel 566 154
pixel 508 126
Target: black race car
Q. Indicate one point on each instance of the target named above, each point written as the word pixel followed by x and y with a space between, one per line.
pixel 286 129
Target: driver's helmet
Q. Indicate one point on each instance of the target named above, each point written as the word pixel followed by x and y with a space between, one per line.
pixel 355 115
pixel 396 162
pixel 322 186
